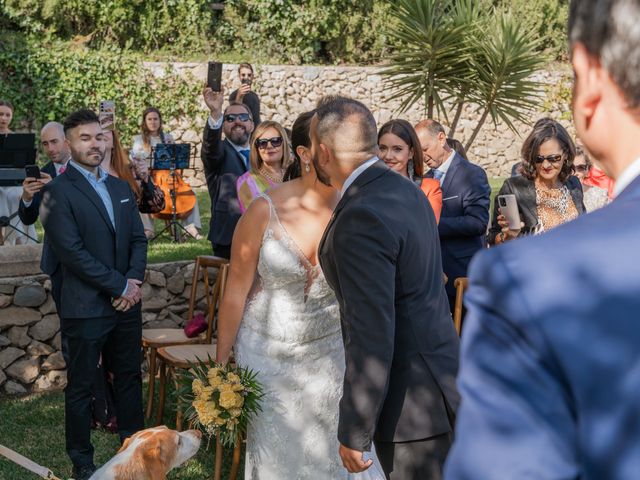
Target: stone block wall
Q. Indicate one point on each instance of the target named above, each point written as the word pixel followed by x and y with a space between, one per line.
pixel 286 91
pixel 30 341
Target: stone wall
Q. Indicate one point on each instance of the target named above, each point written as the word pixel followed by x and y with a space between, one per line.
pixel 287 91
pixel 30 344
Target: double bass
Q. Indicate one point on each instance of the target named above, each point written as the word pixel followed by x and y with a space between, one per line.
pixel 174 186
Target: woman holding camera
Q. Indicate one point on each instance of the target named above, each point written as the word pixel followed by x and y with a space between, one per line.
pixel 400 149
pixel 151 134
pixel 269 158
pixel 546 192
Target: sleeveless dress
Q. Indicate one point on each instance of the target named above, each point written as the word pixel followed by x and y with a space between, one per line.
pixel 290 334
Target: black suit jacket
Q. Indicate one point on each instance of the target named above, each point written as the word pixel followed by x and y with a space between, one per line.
pixel 464 218
pixel 381 255
pixel 525 192
pixel 96 259
pixel 223 164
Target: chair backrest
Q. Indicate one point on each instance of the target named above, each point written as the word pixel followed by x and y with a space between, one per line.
pixel 213 293
pixel 460 284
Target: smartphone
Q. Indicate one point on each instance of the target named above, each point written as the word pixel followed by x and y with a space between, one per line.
pixel 245 81
pixel 509 208
pixel 214 76
pixel 32 171
pixel 107 114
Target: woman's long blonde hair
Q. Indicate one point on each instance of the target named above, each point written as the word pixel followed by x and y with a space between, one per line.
pixel 254 157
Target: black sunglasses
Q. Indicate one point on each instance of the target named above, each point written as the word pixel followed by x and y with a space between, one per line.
pixel 262 143
pixel 231 117
pixel 582 168
pixel 550 158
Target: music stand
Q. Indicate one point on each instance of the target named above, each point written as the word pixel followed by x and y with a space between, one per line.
pixel 172 157
pixel 17 150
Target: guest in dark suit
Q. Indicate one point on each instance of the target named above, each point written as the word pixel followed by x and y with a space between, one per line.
pixel 546 191
pixel 244 94
pixel 92 223
pixel 549 372
pixel 55 147
pixel 380 255
pixel 465 202
pixel 224 161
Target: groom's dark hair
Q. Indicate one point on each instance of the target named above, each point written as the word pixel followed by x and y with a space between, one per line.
pixel 333 112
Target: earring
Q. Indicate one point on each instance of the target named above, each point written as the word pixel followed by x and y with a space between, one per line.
pixel 307 168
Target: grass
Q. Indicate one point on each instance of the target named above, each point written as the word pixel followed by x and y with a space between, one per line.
pixel 164 249
pixel 34 427
pixel 495 184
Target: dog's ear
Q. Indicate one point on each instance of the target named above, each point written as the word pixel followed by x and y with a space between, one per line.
pixel 154 460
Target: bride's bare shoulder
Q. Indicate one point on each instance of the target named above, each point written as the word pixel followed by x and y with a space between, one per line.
pixel 256 218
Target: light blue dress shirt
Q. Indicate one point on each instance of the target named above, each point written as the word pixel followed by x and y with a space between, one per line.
pixel 100 186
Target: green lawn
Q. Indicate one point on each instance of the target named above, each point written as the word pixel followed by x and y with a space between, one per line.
pixel 495 184
pixel 34 427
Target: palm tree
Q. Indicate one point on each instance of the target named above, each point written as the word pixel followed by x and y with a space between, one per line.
pixel 462 51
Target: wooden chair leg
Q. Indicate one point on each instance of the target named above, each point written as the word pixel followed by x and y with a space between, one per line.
pixel 152 381
pixel 163 391
pixel 179 411
pixel 235 464
pixel 217 473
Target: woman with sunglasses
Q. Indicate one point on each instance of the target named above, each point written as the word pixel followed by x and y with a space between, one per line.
pixel 269 158
pixel 594 197
pixel 546 192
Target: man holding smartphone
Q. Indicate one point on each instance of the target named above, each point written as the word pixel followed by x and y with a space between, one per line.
pixel 244 94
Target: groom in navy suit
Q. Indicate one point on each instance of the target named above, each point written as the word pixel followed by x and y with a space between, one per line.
pixel 550 365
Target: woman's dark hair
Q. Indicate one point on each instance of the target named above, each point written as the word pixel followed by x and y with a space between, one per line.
pixel 547 129
pixel 299 137
pixel 404 130
pixel 146 133
pixel 6 103
pixel 457 146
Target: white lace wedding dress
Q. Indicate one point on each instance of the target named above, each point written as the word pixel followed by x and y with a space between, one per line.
pixel 290 335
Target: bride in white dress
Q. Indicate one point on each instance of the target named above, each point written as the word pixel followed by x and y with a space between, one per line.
pixel 285 323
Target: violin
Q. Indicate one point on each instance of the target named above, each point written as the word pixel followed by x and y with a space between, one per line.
pixel 185 196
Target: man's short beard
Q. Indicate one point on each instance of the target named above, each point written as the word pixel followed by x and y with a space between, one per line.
pixel 320 173
pixel 239 138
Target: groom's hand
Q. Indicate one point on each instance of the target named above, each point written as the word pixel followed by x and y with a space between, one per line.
pixel 353 461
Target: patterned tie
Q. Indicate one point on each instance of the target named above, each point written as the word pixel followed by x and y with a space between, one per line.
pixel 245 153
pixel 437 174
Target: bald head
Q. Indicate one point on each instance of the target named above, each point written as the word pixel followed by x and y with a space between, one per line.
pixel 347 128
pixel 433 141
pixel 53 142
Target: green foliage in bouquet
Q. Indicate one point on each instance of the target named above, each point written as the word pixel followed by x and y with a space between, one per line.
pixel 222 399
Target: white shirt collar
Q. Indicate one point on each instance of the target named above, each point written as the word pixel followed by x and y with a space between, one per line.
pixel 445 166
pixel 58 166
pixel 628 175
pixel 356 173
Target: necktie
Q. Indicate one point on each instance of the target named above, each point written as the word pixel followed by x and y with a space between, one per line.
pixel 245 153
pixel 62 169
pixel 437 174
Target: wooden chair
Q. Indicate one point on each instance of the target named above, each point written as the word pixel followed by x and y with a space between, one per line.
pixel 460 285
pixel 155 338
pixel 180 357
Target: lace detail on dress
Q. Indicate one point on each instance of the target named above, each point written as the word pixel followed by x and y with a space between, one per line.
pixel 290 335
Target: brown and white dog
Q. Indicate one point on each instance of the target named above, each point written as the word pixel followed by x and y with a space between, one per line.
pixel 150 454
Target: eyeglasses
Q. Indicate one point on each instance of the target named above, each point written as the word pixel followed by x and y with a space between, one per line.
pixel 555 158
pixel 231 117
pixel 584 168
pixel 262 143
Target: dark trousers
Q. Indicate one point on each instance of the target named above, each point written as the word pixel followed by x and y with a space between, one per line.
pixel 120 336
pixel 222 251
pixel 419 460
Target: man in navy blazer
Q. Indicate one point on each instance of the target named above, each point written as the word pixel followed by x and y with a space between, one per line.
pixel 92 223
pixel 550 365
pixel 465 202
pixel 224 161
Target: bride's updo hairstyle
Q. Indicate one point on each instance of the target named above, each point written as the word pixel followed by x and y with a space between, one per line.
pixel 299 137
